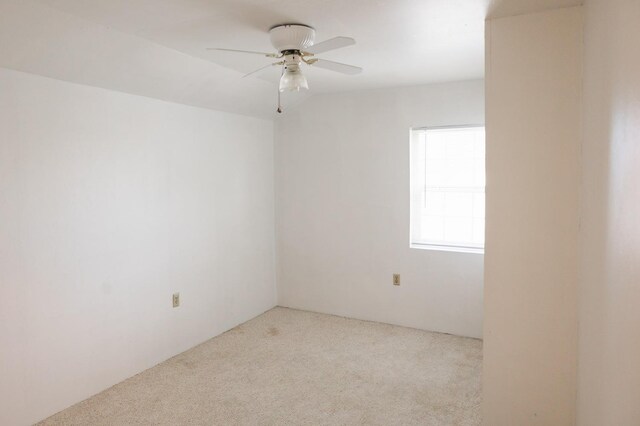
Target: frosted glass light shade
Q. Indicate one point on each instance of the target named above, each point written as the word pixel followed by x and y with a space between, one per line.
pixel 293 79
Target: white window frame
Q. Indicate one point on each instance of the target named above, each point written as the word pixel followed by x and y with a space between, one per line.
pixel 462 247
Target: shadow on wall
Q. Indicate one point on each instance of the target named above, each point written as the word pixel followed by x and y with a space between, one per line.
pixel 502 8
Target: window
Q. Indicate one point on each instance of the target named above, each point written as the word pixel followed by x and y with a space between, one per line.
pixel 447 188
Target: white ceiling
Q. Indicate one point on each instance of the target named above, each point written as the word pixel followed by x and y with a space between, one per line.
pixel 157 48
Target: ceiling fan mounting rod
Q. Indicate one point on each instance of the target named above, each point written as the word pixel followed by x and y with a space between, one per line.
pixel 293 24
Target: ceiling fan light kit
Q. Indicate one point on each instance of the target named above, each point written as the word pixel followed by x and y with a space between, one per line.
pixel 292 79
pixel 295 44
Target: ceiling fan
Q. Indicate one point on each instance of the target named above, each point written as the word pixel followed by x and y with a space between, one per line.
pixel 295 46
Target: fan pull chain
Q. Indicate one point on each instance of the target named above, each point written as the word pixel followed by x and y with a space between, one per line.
pixel 279 106
pixel 279 110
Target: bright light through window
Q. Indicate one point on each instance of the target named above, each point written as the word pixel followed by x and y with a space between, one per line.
pixel 447 188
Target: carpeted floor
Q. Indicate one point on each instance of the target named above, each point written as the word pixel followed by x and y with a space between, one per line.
pixel 289 367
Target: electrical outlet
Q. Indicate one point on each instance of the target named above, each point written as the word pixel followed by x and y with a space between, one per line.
pixel 396 279
pixel 176 300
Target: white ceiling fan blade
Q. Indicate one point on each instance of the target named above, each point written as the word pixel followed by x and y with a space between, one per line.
pixel 332 43
pixel 336 66
pixel 262 68
pixel 268 55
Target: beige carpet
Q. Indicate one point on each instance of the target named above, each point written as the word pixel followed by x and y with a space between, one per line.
pixel 289 367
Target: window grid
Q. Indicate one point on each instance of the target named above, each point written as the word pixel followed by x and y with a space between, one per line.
pixel 447 188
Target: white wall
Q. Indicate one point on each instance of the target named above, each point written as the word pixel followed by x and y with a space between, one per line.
pixel 609 334
pixel 342 203
pixel 109 203
pixel 531 262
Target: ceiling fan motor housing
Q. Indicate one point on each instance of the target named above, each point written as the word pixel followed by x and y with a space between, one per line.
pixel 292 37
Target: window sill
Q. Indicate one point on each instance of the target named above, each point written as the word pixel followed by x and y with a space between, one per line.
pixel 447 248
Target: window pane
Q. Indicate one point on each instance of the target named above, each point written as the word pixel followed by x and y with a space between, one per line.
pixel 434 203
pixel 458 229
pixel 433 227
pixel 478 231
pixel 459 204
pixel 478 205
